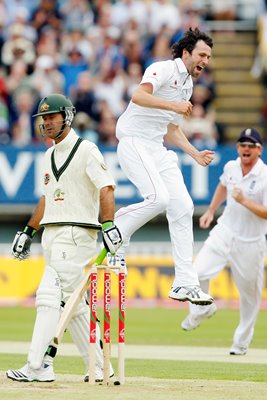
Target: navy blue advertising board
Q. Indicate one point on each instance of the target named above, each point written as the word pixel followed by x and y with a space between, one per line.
pixel 21 175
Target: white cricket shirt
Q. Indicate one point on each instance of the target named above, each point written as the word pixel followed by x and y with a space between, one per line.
pixel 72 183
pixel 243 223
pixel 172 82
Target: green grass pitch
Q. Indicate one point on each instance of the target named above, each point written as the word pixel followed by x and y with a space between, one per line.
pixel 153 326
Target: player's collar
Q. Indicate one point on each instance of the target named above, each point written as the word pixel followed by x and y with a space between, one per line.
pixel 186 78
pixel 67 142
pixel 256 168
pixel 181 66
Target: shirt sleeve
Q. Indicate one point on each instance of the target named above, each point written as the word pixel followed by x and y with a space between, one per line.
pixel 264 192
pixel 156 74
pixel 224 176
pixel 97 170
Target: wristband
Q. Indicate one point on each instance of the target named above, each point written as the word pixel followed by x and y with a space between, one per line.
pixel 29 231
pixel 107 224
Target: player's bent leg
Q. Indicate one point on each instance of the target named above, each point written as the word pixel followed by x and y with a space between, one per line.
pixel 48 299
pixel 79 329
pixel 197 315
pixel 48 311
pixel 179 214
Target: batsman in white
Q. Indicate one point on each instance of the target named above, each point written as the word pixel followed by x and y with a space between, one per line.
pixel 237 238
pixel 155 111
pixel 77 187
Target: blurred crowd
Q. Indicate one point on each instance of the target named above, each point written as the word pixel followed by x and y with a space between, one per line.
pixel 95 52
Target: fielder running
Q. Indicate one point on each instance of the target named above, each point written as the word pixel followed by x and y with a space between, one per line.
pixel 238 237
pixel 156 111
pixel 77 185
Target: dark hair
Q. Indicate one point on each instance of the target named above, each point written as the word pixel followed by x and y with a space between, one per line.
pixel 189 41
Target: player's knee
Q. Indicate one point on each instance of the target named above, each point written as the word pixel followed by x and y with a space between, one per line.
pixel 160 201
pixel 48 297
pixel 182 214
pixel 82 309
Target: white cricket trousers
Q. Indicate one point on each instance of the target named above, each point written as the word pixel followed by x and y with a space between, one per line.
pixel 67 250
pixel 154 171
pixel 246 260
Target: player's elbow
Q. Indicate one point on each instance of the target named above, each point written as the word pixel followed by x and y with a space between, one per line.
pixel 136 98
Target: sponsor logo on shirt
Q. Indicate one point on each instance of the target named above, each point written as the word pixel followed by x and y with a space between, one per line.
pixel 58 195
pixel 46 178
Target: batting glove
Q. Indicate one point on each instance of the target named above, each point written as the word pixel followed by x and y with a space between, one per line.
pixel 111 237
pixel 22 243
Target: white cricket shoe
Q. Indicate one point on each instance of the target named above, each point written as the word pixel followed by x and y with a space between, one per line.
pixel 117 260
pixel 193 321
pixel 27 374
pixel 99 374
pixel 238 350
pixel 193 294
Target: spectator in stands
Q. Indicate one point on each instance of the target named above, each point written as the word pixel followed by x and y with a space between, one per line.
pixel 107 126
pixel 124 12
pixel 4 15
pixel 207 81
pixel 132 49
pixel 17 47
pixel 71 67
pixel 15 8
pixel 224 10
pixel 4 113
pixel 46 78
pixel 163 13
pixel 76 13
pixel 218 10
pixel 109 38
pixel 110 86
pixel 17 76
pixel 22 126
pixel 20 15
pixel 102 13
pixel 48 43
pixel 159 47
pixel 75 37
pixel 109 50
pixel 83 95
pixel 83 126
pixel 46 14
pixel 133 77
pixel 200 128
pixel 202 95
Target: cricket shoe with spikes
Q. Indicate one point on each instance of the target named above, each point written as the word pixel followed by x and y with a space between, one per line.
pixel 117 260
pixel 193 294
pixel 193 321
pixel 238 350
pixel 27 374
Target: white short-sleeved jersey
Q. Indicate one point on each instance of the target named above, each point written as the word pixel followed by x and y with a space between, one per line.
pixel 72 181
pixel 243 223
pixel 172 82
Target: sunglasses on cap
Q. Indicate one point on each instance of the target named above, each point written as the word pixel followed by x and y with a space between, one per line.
pixel 249 144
